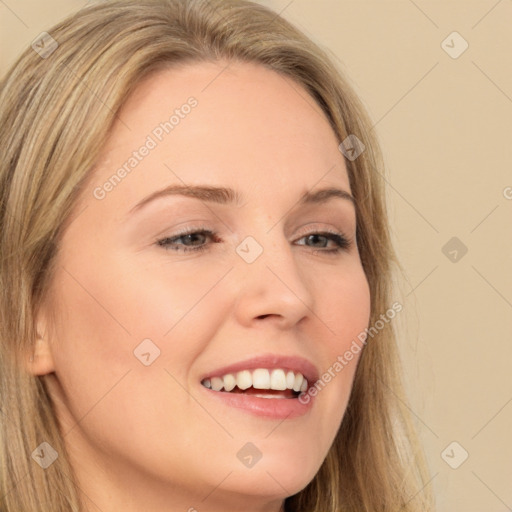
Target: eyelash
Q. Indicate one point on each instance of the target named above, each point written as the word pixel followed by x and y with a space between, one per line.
pixel 343 243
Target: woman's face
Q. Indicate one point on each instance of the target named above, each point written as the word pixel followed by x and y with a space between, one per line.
pixel 139 315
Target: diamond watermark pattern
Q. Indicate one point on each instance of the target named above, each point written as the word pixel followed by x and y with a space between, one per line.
pixel 147 352
pixel 454 250
pixel 249 249
pixel 454 455
pixel 454 45
pixel 351 147
pixel 44 45
pixel 249 455
pixel 45 455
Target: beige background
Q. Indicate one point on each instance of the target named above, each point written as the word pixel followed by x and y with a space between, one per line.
pixel 445 125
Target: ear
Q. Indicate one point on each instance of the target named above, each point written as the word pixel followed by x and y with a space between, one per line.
pixel 40 358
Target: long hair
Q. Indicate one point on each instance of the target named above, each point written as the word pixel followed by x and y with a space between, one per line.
pixel 56 110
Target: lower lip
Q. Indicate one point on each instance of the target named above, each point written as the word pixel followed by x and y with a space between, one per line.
pixel 277 408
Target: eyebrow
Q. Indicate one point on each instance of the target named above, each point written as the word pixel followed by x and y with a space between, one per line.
pixel 226 195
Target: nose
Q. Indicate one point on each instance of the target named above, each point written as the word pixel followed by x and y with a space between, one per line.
pixel 273 288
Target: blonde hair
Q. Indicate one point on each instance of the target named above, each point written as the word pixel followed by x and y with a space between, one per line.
pixel 56 113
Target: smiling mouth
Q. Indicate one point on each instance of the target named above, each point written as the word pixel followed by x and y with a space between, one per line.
pixel 260 382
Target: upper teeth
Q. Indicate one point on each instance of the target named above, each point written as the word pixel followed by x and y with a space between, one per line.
pixel 259 378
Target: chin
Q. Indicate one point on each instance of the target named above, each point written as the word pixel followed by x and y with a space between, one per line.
pixel 277 477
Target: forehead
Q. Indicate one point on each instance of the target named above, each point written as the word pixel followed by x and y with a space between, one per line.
pixel 236 124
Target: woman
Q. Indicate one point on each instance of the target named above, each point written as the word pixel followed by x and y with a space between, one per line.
pixel 196 273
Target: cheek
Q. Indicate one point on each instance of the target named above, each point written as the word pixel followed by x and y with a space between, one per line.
pixel 92 348
pixel 345 307
pixel 106 393
pixel 113 321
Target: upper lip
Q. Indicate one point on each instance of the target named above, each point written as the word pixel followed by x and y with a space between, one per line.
pixel 269 361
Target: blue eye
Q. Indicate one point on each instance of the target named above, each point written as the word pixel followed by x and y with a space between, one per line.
pixel 189 239
pixel 342 243
pixel 195 240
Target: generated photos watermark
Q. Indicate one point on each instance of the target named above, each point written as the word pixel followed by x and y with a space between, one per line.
pixel 156 136
pixel 344 359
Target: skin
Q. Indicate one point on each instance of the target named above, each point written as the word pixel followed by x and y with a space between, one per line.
pixel 148 437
